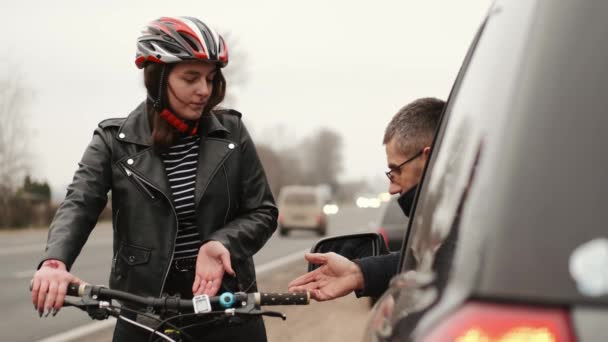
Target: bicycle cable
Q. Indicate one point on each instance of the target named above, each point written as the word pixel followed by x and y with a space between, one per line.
pixel 157 319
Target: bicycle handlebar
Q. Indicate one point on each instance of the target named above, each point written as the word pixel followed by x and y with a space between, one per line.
pixel 226 300
pixel 96 301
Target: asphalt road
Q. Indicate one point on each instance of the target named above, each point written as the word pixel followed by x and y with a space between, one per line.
pixel 20 252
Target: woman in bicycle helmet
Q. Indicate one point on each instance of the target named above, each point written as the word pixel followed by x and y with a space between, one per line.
pixel 190 201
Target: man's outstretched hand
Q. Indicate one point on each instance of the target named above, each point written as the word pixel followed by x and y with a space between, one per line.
pixel 336 277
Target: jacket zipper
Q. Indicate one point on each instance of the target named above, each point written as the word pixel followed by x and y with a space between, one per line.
pixel 227 192
pixel 140 181
pixel 115 231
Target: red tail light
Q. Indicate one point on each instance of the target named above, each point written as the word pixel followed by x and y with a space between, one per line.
pixel 485 322
pixel 320 219
pixel 382 232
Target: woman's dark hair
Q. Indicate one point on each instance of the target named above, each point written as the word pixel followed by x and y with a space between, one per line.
pixel 163 134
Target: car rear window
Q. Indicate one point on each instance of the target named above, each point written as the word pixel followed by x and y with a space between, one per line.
pixel 299 199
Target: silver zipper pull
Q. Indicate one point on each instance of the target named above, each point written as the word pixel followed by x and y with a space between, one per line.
pixel 139 182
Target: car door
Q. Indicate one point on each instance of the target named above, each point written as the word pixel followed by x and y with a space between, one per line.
pixel 471 118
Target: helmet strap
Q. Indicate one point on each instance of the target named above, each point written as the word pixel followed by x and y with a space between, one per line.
pixel 165 113
pixel 158 105
pixel 178 123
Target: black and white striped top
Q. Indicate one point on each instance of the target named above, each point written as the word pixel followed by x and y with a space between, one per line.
pixel 181 162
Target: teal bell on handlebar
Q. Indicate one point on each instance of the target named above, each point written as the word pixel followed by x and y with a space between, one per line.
pixel 227 300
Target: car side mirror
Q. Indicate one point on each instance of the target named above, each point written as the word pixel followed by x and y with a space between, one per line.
pixel 352 246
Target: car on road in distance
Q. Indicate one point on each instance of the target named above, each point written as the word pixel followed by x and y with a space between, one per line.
pixel 392 224
pixel 301 208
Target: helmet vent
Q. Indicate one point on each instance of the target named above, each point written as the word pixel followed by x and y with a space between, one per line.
pixel 148 45
pixel 191 42
pixel 172 49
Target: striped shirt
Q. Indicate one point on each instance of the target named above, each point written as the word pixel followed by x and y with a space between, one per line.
pixel 181 162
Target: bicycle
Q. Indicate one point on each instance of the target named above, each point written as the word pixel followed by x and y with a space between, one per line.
pixel 97 302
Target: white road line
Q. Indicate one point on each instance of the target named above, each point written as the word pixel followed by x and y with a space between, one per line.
pixel 22 249
pixel 77 334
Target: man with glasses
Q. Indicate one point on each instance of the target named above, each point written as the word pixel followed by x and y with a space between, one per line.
pixel 407 139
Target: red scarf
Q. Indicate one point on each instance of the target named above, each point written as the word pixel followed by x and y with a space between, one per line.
pixel 178 123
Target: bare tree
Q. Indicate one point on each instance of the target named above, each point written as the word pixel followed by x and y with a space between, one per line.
pixel 272 166
pixel 347 190
pixel 236 70
pixel 13 135
pixel 323 157
pixel 313 161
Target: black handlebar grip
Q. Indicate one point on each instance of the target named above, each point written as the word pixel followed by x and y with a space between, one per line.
pixel 74 289
pixel 291 298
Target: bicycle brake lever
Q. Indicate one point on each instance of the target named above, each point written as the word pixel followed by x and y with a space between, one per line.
pixel 75 303
pixel 93 307
pixel 273 314
pixel 262 313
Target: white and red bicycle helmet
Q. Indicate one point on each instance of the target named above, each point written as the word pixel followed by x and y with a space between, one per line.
pixel 175 39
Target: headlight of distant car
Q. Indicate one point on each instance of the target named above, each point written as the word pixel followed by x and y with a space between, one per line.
pixel 330 209
pixel 368 202
pixel 374 202
pixel 363 202
pixel 384 196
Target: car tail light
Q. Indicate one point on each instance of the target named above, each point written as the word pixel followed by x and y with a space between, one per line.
pixel 382 232
pixel 486 322
pixel 320 219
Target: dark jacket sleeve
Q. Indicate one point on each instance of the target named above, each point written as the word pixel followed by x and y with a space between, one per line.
pixel 257 217
pixel 377 273
pixel 86 197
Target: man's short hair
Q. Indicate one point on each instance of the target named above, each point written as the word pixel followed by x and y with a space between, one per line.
pixel 413 127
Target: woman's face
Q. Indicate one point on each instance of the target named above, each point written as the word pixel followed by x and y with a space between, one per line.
pixel 189 88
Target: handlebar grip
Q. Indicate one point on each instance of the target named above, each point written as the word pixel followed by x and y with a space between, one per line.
pixel 292 298
pixel 75 289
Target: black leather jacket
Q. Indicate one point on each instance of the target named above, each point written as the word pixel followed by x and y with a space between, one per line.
pixel 234 204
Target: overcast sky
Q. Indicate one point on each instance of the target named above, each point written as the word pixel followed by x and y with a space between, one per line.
pixel 344 64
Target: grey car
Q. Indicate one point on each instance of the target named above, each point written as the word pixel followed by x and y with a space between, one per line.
pixel 392 224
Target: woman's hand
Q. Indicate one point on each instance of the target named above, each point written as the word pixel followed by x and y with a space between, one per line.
pixel 49 286
pixel 212 261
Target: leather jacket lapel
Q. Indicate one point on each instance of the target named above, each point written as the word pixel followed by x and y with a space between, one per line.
pixel 212 153
pixel 136 128
pixel 148 165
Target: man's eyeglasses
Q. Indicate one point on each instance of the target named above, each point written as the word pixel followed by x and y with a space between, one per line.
pixel 397 168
